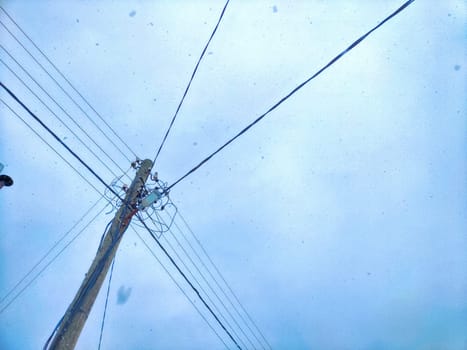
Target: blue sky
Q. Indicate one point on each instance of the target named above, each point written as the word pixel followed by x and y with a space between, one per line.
pixel 339 220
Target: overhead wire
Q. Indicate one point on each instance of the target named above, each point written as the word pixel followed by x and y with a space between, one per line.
pixel 163 141
pixel 179 286
pixel 213 291
pixel 165 251
pixel 79 173
pixel 106 302
pixel 36 276
pixel 61 239
pixel 12 289
pixel 202 289
pixel 211 275
pixel 245 129
pixel 189 282
pixel 282 100
pixel 51 147
pixel 46 345
pixel 69 83
pixel 90 280
pixel 200 286
pixel 117 187
pixel 56 103
pixel 100 263
pixel 100 179
pixel 190 81
pixel 224 280
pixel 54 135
pixel 11 94
pixel 57 138
pixel 79 159
pixel 162 229
pixel 61 120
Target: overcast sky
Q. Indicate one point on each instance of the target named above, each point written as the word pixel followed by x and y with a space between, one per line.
pixel 339 220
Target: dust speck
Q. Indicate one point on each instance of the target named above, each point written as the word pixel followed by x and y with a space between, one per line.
pixel 274 9
pixel 457 67
pixel 132 13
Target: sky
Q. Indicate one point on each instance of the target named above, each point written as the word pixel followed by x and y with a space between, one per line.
pixel 339 220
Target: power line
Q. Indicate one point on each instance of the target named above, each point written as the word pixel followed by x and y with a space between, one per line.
pixel 179 286
pixel 100 179
pixel 189 82
pixel 69 83
pixel 46 345
pixel 223 279
pixel 53 149
pixel 144 224
pixel 200 285
pixel 101 265
pixel 106 301
pixel 330 63
pixel 37 119
pixel 160 221
pixel 60 119
pixel 63 90
pixel 182 262
pixel 188 281
pixel 161 228
pixel 207 282
pixel 82 162
pixel 51 261
pixel 90 281
pixel 49 251
pixel 58 139
pixel 213 277
pixel 55 101
pixel 165 227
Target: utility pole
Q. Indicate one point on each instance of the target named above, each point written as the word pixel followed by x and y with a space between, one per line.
pixel 77 313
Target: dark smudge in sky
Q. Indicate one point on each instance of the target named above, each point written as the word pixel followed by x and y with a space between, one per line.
pixel 123 295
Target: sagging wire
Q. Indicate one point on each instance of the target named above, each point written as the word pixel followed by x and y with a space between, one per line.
pixel 120 187
pixel 103 234
pixel 160 226
pixel 106 303
pixel 154 199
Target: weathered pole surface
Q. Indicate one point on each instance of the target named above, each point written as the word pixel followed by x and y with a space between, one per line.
pixel 75 317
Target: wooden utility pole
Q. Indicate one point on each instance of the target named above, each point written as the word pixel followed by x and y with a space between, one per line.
pixel 75 317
